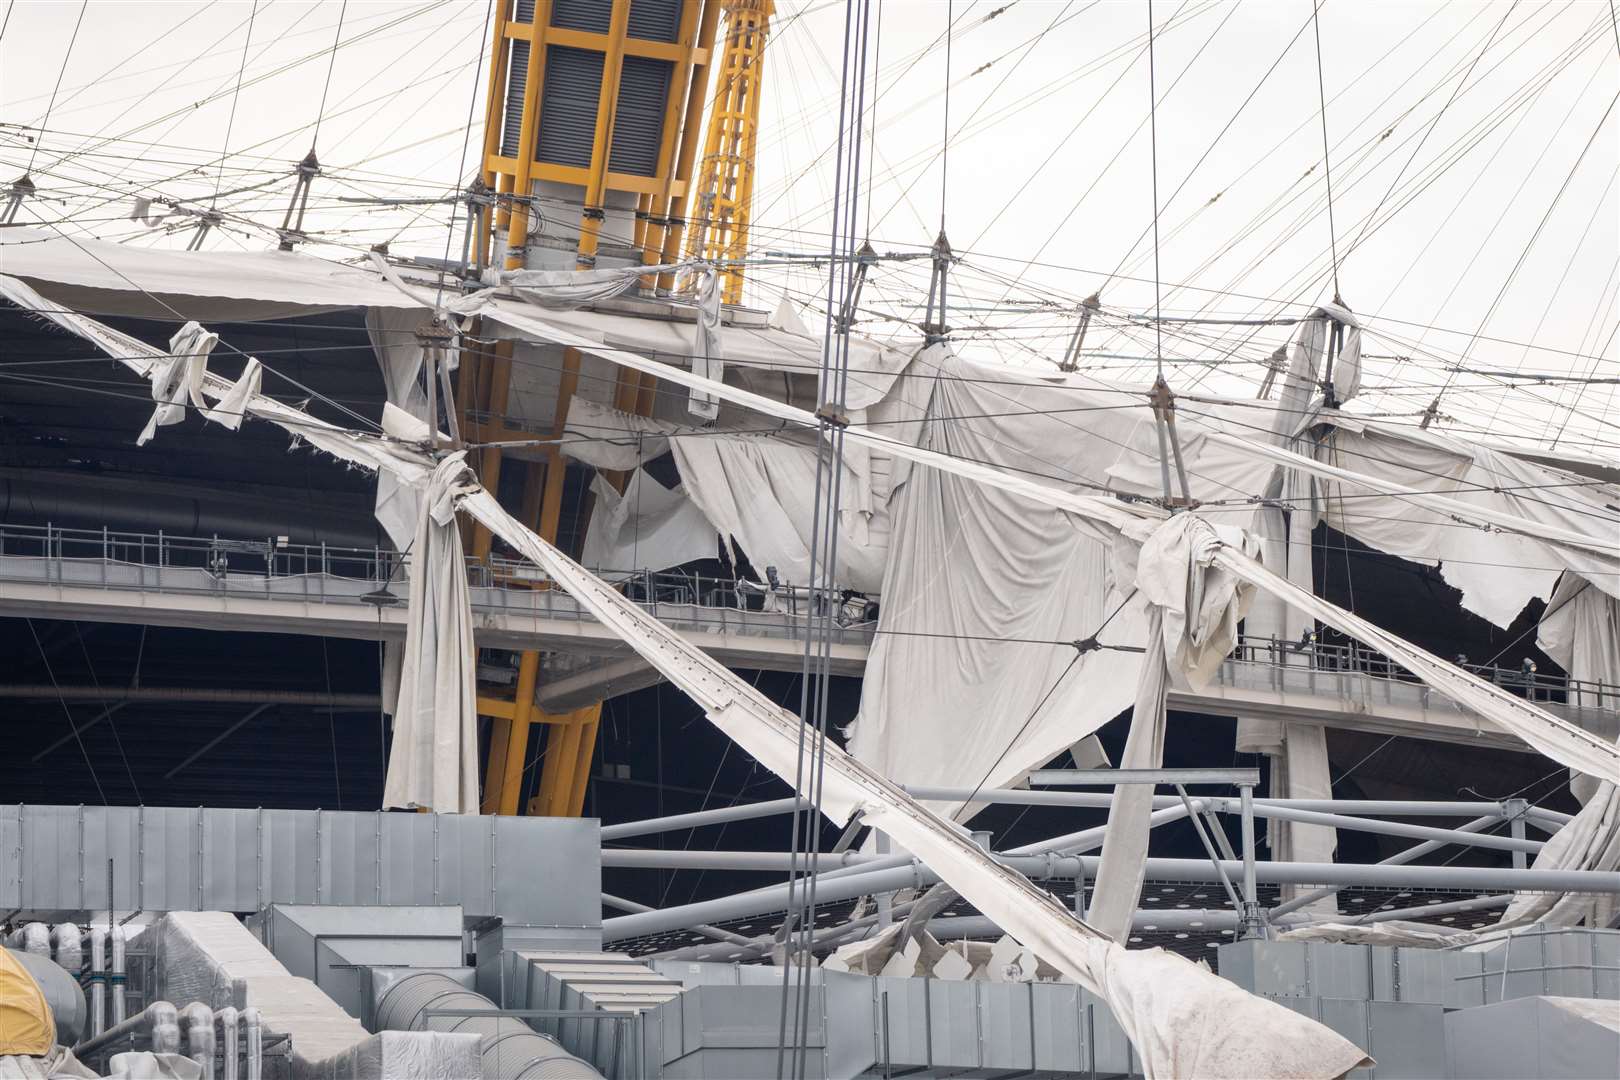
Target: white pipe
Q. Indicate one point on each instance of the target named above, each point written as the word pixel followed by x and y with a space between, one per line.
pixel 118 938
pixel 230 1041
pixel 253 1026
pixel 67 943
pixel 158 1020
pixel 198 1020
pixel 98 981
pixel 35 938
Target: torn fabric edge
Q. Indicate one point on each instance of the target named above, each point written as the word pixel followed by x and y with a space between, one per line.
pixel 1147 990
pixel 1105 518
pixel 1150 991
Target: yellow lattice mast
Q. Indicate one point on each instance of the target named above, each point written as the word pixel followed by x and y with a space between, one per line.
pixel 725 187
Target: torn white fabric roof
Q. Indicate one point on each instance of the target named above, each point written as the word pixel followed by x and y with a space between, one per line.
pixel 648 527
pixel 177 383
pixel 610 438
pixel 101 276
pixel 761 491
pixel 433 761
pixel 1193 611
pixel 1168 1006
pixel 972 679
pixel 1183 1019
pixel 1106 518
pixel 874 367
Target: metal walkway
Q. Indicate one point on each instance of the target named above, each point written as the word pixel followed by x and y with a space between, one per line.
pixel 269 587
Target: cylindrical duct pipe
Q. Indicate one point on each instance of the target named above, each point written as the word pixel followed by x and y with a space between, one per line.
pixel 68 945
pixel 116 979
pixel 98 980
pixel 159 1023
pixel 230 1041
pixel 509 1052
pixel 253 1032
pixel 62 994
pixel 198 1021
pixel 35 937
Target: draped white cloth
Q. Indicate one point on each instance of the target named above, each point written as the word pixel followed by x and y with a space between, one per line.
pixel 649 527
pixel 399 357
pixel 177 383
pixel 1193 610
pixel 1183 1019
pixel 433 761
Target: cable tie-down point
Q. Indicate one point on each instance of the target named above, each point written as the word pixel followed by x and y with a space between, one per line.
pixel 832 414
pixel 1086 645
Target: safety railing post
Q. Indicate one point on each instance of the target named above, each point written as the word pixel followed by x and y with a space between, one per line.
pixel 1253 922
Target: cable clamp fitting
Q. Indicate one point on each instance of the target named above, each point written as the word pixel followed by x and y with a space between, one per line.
pixel 1086 645
pixel 828 413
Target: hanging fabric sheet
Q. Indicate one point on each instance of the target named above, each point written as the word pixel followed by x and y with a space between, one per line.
pixel 649 527
pixel 1183 1019
pixel 178 380
pixel 434 759
pixel 1193 611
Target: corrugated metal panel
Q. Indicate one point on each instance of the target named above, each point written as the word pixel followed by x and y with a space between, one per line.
pixel 592 15
pixel 54 859
pixel 568 106
pixel 638 124
pixel 655 20
pixel 517 80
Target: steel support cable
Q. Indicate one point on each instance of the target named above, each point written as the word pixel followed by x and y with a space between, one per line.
pixel 112 724
pixel 1586 232
pixel 1429 130
pixel 1153 146
pixel 1281 201
pixel 103 77
pixel 1061 17
pixel 1525 97
pixel 188 110
pixel 1146 121
pixel 1327 160
pixel 225 149
pixel 466 140
pixel 67 713
pixel 162 303
pixel 151 69
pixel 921 160
pixel 1609 341
pixel 181 114
pixel 382 102
pixel 1197 212
pixel 1210 149
pixel 1542 224
pixel 821 156
pixel 66 59
pixel 331 62
pixel 823 550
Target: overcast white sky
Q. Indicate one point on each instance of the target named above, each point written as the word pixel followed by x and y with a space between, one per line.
pixel 1049 159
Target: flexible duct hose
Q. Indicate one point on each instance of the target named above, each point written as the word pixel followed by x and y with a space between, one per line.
pixel 511 1050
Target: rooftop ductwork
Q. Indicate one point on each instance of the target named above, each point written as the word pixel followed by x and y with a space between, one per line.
pixel 511 1049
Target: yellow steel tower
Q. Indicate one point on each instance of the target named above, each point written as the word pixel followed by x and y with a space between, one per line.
pixel 725 187
pixel 590 138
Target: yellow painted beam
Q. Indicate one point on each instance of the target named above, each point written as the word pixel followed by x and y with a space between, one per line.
pixel 590 719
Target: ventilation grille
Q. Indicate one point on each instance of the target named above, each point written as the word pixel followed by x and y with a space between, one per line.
pixel 655 20
pixel 638 122
pixel 568 106
pixel 524 12
pixel 517 80
pixel 592 15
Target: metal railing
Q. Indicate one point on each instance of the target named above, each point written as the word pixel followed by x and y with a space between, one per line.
pixel 1354 658
pixel 252 566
